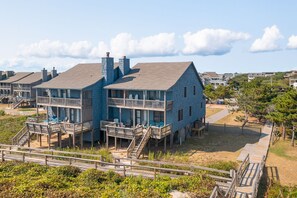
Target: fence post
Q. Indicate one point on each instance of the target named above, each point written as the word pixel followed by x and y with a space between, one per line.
pixel 124 171
pixel 23 157
pixel 70 161
pixel 45 160
pixel 2 156
pixel 96 166
pixel 154 173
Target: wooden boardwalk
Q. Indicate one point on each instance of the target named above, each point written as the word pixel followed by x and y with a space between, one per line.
pixel 257 152
pixel 122 166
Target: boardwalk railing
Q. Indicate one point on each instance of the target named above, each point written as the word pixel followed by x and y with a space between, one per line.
pixel 11 152
pixel 242 168
pixel 258 178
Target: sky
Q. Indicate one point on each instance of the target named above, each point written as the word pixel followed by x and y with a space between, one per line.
pixel 222 36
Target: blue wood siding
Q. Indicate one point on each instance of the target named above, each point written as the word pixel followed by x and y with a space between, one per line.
pixel 189 79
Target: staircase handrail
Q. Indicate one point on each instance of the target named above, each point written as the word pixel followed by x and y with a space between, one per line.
pixel 258 177
pixel 242 168
pixel 143 141
pixel 131 147
pixel 19 135
pixel 17 103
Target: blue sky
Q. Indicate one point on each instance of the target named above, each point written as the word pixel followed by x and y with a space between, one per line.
pixel 222 36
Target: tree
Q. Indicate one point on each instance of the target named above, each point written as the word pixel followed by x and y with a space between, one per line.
pixel 285 110
pixel 209 91
pixel 254 98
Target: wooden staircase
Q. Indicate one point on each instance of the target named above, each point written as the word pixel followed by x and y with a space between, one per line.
pixel 138 143
pixel 17 103
pixel 21 137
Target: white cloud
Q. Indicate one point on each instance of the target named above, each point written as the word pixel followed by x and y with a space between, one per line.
pixel 292 43
pixel 162 44
pixel 268 42
pixel 48 49
pixel 211 41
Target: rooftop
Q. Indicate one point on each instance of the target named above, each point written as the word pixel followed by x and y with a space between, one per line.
pixel 18 76
pixel 78 77
pixel 151 76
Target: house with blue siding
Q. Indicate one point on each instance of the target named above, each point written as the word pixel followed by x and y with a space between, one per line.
pixel 158 101
pixel 110 101
pixel 75 100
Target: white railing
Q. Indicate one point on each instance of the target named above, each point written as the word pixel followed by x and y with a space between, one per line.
pixel 135 103
pixel 65 102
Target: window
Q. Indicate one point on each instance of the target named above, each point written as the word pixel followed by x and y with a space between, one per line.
pixel 180 114
pixel 194 90
pixel 190 110
pixel 158 116
pixel 185 92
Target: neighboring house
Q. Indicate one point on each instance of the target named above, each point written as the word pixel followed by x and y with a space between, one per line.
pixel 75 100
pixel 164 99
pixel 213 78
pixel 6 86
pixel 23 91
pixel 293 81
pixel 252 76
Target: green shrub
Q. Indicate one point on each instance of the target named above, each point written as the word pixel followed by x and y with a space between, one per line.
pixel 33 180
pixel 2 112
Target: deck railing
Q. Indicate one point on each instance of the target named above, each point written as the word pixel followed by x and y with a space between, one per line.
pixel 77 127
pixel 124 132
pixel 5 86
pixel 21 88
pixel 135 103
pixel 160 132
pixel 64 102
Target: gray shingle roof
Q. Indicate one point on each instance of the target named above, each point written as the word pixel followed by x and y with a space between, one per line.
pixel 30 79
pixel 151 76
pixel 78 77
pixel 16 77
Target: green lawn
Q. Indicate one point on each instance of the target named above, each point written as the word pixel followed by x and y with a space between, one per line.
pixel 32 180
pixel 9 126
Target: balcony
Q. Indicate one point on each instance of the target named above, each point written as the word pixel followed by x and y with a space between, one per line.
pixel 5 86
pixel 63 102
pixel 139 104
pixel 117 130
pixel 17 88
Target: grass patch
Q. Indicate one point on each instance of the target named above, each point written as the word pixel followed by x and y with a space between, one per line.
pixel 26 109
pixel 33 180
pixel 212 111
pixel 9 126
pixel 284 149
pixel 277 190
pixel 105 153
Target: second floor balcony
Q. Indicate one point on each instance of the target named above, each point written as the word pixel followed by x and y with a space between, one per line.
pixel 140 104
pixel 63 102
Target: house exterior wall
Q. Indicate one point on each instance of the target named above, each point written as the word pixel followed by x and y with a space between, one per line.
pixel 189 79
